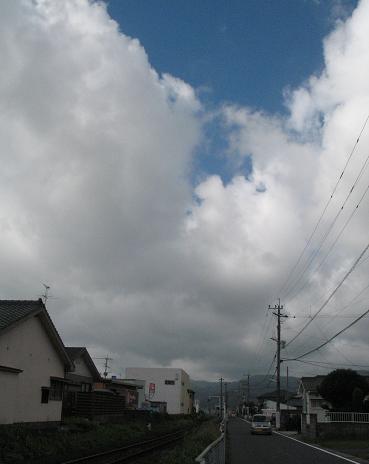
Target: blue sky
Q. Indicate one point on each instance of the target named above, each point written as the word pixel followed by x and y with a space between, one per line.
pixel 241 52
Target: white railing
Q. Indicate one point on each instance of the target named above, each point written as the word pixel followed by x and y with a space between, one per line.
pixel 362 417
pixel 214 453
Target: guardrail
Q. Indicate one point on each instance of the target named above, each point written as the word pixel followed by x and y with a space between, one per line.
pixel 215 453
pixel 359 417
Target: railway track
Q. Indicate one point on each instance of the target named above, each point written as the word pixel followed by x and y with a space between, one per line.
pixel 129 452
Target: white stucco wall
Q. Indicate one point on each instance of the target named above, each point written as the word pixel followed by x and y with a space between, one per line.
pixel 175 396
pixel 272 405
pixel 27 346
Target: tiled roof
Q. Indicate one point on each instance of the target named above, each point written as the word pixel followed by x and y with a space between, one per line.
pixel 12 311
pixel 312 383
pixel 74 352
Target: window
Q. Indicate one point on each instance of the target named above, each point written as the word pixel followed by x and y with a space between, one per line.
pixel 316 403
pixel 85 387
pixel 56 390
pixel 45 394
pixel 169 382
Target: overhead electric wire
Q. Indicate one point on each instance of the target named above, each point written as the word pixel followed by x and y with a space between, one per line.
pixel 343 228
pixel 332 363
pixel 348 305
pixel 267 374
pixel 331 295
pixel 325 208
pixel 263 334
pixel 316 252
pixel 297 358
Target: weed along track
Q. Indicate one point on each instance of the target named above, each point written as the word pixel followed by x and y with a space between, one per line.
pixel 130 452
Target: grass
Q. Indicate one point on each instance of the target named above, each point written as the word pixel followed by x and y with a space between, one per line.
pixel 194 443
pixel 78 437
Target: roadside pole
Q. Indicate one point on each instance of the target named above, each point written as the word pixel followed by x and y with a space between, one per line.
pixel 277 312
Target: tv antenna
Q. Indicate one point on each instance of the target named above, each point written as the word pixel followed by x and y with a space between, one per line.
pixel 106 364
pixel 46 295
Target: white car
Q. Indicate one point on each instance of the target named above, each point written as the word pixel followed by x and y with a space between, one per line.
pixel 260 424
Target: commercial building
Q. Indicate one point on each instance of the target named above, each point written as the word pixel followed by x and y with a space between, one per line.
pixel 165 385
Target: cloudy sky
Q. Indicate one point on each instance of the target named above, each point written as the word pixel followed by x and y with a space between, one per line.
pixel 163 166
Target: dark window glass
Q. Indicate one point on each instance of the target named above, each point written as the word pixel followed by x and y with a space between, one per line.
pixel 44 395
pixel 169 382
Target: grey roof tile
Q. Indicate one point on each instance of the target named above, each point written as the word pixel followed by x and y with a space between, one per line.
pixel 12 311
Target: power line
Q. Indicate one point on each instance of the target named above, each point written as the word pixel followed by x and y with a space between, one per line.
pixel 343 228
pixel 283 287
pixel 331 295
pixel 330 339
pixel 267 374
pixel 332 364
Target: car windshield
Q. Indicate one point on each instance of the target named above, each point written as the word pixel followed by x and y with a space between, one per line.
pixel 259 418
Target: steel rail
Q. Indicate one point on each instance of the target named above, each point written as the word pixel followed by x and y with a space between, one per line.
pixel 128 452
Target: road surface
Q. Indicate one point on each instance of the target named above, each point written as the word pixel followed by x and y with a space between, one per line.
pixel 245 448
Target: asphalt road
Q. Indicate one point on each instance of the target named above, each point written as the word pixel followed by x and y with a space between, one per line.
pixel 245 448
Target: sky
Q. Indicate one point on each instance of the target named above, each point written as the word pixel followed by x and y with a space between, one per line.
pixel 164 164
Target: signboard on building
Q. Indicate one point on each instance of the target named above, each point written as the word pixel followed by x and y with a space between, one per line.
pixel 151 390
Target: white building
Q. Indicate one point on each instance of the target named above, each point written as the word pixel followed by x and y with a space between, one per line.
pixel 312 402
pixel 169 385
pixel 33 360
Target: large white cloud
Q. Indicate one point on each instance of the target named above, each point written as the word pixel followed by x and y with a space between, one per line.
pixel 95 197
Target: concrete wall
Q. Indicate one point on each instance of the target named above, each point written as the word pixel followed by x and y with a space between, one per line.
pixel 28 347
pixel 343 430
pixel 313 429
pixel 309 427
pixel 176 396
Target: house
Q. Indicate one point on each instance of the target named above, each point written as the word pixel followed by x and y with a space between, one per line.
pixel 288 400
pixel 166 385
pixel 85 373
pixel 312 402
pixel 122 388
pixel 33 361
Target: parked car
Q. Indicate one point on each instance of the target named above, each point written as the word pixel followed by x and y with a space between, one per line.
pixel 260 424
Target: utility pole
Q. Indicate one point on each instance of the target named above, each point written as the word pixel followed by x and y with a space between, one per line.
pixel 221 397
pixel 277 312
pixel 225 399
pixel 287 390
pixel 248 387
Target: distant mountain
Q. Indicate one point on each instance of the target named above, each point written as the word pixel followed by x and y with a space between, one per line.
pixel 259 384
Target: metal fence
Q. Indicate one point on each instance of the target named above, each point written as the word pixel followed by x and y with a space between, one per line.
pixel 359 417
pixel 214 453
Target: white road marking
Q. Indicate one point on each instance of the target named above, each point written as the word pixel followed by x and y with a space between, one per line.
pixel 312 446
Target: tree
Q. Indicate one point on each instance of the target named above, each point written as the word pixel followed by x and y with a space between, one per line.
pixel 339 385
pixel 357 399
